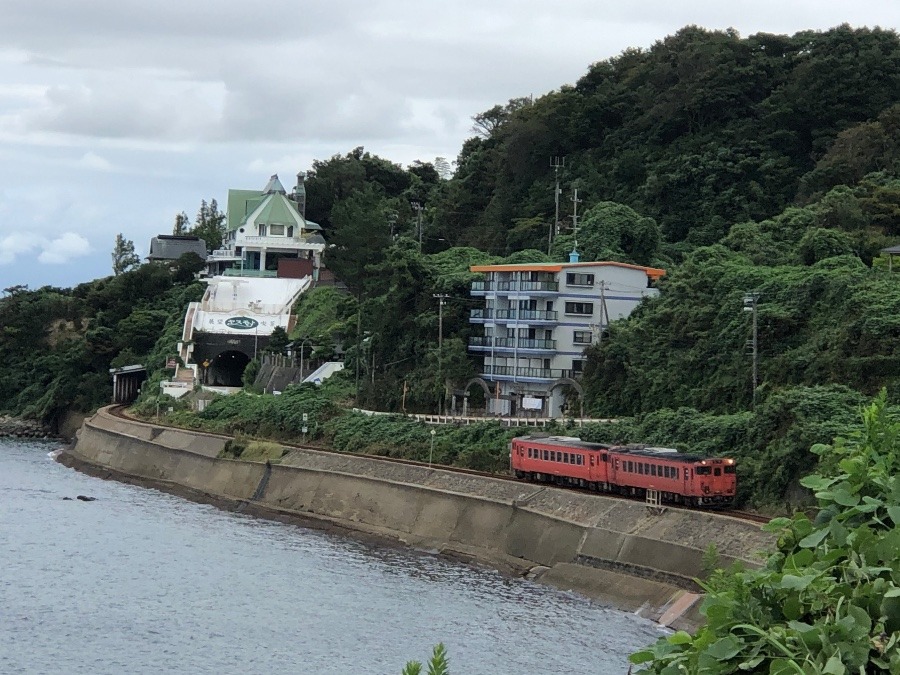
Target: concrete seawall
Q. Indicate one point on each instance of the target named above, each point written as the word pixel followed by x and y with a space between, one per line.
pixel 615 550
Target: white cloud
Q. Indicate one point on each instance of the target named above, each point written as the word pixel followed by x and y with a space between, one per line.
pixel 64 248
pixel 91 160
pixel 14 245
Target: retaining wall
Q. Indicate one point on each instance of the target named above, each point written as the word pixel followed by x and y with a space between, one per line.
pixel 634 558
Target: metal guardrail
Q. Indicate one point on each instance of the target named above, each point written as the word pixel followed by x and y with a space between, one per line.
pixel 503 421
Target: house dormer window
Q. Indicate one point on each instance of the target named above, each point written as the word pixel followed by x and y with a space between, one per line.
pixel 276 230
pixel 262 230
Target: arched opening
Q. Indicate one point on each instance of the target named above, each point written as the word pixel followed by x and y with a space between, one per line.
pixel 566 398
pixel 227 369
pixel 478 403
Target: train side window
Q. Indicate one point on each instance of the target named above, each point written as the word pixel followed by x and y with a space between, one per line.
pixel 640 468
pixel 729 469
pixel 546 454
pixel 604 457
pixel 581 459
pixel 665 471
pixel 566 457
pixel 653 469
pixel 646 468
pixel 630 468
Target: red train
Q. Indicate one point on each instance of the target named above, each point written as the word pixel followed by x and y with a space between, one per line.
pixel 625 469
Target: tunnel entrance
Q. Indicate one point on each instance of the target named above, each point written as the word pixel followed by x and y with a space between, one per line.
pixel 226 369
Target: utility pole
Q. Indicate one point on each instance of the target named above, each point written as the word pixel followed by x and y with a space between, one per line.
pixel 575 203
pixel 441 298
pixel 418 208
pixel 555 164
pixel 358 341
pixel 750 303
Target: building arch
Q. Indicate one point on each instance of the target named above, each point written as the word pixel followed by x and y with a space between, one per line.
pixel 226 369
pixel 574 384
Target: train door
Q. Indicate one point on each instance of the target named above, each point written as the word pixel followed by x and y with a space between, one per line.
pixel 686 490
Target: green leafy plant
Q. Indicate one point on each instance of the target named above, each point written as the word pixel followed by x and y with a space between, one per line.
pixel 828 600
pixel 438 665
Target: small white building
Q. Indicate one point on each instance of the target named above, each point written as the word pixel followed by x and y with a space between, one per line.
pixel 538 320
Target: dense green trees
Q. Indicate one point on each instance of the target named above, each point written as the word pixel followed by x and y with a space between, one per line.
pixel 58 344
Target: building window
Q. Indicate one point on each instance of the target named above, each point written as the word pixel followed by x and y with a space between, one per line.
pixel 583 308
pixel 277 230
pixel 262 230
pixel 573 279
pixel 582 337
pixel 577 366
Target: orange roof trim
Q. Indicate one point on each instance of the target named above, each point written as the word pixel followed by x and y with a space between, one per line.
pixel 652 272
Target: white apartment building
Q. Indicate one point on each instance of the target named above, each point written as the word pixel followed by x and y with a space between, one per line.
pixel 538 320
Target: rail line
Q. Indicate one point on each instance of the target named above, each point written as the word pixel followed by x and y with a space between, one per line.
pixel 747 516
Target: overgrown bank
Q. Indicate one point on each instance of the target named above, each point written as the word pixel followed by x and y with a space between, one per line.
pixel 770 443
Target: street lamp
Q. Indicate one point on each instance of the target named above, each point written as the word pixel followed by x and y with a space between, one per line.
pixel 431 453
pixel 302 345
pixel 750 302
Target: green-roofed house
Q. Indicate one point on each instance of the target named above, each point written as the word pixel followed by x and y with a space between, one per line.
pixel 267 234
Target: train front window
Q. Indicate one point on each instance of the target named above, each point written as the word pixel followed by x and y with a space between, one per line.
pixel 717 471
pixel 703 470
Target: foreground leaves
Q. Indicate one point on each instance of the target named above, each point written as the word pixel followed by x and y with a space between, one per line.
pixel 828 600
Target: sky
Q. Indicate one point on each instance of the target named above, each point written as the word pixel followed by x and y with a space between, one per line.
pixel 115 115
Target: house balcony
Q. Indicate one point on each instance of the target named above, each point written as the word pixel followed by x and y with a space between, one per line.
pixel 481 314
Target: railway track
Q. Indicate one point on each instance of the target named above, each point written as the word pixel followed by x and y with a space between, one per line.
pixel 748 516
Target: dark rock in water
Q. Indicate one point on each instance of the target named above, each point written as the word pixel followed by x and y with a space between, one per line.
pixel 84 498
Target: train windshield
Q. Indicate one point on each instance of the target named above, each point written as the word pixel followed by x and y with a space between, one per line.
pixel 704 470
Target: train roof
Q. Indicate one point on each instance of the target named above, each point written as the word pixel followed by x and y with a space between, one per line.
pixel 569 441
pixel 638 450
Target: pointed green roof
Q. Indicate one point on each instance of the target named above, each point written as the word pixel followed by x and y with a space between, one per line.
pixel 277 209
pixel 274 185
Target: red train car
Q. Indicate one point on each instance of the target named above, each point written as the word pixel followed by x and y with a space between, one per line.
pixel 625 469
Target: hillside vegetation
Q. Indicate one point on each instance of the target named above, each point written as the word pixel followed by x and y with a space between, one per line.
pixel 766 164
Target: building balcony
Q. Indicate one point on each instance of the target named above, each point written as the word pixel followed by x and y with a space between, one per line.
pixel 481 314
pixel 513 372
pixel 249 273
pixel 530 315
pixel 276 242
pixel 509 343
pixel 506 287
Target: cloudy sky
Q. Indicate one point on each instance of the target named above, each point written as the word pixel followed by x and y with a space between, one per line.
pixel 117 114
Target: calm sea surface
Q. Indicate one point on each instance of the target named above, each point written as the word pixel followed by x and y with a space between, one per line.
pixel 142 582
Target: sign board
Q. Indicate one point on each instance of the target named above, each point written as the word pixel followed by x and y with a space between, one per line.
pixel 306 417
pixel 532 403
pixel 305 429
pixel 241 323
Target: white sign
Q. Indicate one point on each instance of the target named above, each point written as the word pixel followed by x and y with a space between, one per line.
pixel 532 403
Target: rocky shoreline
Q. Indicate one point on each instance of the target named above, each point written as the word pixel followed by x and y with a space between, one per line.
pixel 14 427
